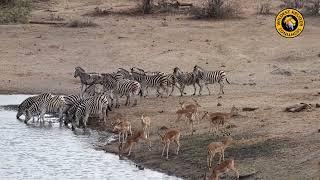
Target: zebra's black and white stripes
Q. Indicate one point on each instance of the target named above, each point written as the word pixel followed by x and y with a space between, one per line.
pixel 51 105
pixel 185 79
pixel 154 80
pixel 27 103
pixel 96 105
pixel 210 77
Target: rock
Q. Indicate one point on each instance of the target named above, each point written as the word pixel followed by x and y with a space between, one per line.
pixel 317 105
pixel 298 107
pixel 280 71
pixel 306 87
pixel 249 108
pixel 219 104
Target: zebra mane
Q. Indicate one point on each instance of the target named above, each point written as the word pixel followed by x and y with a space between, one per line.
pixel 79 69
pixel 124 70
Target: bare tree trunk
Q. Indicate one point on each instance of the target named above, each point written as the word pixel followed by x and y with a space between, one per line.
pixel 146 6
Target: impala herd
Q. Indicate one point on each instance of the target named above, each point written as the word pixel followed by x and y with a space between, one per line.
pixel 190 112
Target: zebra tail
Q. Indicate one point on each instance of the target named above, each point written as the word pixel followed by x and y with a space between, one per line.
pixel 227 81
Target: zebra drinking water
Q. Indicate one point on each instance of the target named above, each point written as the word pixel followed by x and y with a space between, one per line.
pixel 96 105
pixel 27 103
pixel 50 105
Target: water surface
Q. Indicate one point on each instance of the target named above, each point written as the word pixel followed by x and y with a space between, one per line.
pixel 51 152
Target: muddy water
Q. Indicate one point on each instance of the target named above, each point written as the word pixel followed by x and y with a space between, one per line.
pixel 51 152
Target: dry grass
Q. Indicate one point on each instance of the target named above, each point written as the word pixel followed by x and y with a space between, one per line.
pixel 217 9
pixel 14 11
pixel 312 7
pixel 264 7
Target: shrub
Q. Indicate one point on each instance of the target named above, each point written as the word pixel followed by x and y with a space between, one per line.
pixel 14 11
pixel 145 6
pixel 217 9
pixel 312 7
pixel 264 7
pixel 296 4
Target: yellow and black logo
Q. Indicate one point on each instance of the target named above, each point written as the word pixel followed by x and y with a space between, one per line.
pixel 289 23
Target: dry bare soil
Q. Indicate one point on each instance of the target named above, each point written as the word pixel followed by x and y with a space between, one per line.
pixel 269 141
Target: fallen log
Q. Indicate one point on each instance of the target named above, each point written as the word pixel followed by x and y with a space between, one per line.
pixel 47 22
pixel 298 107
pixel 249 108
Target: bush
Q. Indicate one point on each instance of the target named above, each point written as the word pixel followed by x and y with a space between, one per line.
pixel 264 7
pixel 296 4
pixel 217 9
pixel 145 6
pixel 14 11
pixel 81 24
pixel 313 7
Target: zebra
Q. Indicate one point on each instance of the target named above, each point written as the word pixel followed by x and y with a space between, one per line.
pixel 156 80
pixel 29 101
pixel 51 105
pixel 210 77
pixel 96 105
pixel 86 78
pixel 185 79
pixel 119 87
pixel 171 82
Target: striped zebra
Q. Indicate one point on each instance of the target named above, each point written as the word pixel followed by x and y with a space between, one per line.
pixel 27 103
pixel 96 105
pixel 86 78
pixel 121 87
pixel 185 79
pixel 51 105
pixel 171 82
pixel 210 77
pixel 71 103
pixel 154 80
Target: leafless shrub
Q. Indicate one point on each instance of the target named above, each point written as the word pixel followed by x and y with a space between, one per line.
pixel 145 6
pixel 312 7
pixel 217 9
pixel 55 17
pixel 81 23
pixel 264 7
pixel 100 12
pixel 296 4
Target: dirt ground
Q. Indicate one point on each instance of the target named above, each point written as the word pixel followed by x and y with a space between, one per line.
pixel 273 143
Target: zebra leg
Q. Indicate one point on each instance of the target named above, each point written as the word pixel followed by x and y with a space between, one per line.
pixel 85 120
pixel 208 89
pixel 117 101
pixel 200 89
pixel 135 100
pixel 182 90
pixel 221 87
pixel 172 89
pixel 195 89
pixel 128 100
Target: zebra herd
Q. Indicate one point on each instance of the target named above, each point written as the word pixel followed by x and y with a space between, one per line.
pixel 77 108
pixel 156 80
